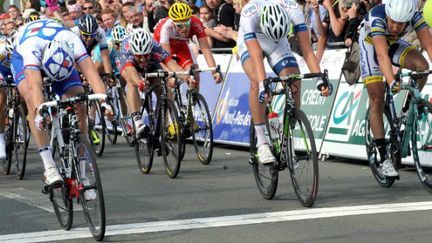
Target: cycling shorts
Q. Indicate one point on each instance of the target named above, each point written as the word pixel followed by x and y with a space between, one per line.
pixel 279 55
pixel 59 88
pixel 369 67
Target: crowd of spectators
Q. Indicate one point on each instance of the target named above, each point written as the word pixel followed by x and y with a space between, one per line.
pixel 328 21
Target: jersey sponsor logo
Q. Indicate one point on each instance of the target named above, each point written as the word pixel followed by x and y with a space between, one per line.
pixel 378 24
pixel 289 4
pixel 249 10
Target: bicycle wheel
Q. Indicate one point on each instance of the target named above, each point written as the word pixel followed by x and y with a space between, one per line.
pixel 144 146
pixel 421 138
pixel 201 125
pixel 302 158
pixel 124 118
pixel 21 141
pixel 6 163
pixel 171 138
pixel 91 197
pixel 97 127
pixel 372 151
pixel 266 176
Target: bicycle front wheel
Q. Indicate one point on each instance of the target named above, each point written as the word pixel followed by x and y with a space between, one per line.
pixel 6 163
pixel 202 129
pixel 21 140
pixel 97 127
pixel 91 196
pixel 421 139
pixel 62 204
pixel 266 176
pixel 144 145
pixel 302 158
pixel 171 138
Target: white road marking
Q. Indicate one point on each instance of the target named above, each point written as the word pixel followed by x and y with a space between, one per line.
pixel 212 222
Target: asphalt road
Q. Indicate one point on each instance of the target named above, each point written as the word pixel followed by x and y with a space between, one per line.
pixel 221 203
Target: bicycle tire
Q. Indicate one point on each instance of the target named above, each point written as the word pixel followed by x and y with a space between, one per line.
pixel 300 146
pixel 421 137
pixel 7 162
pixel 203 141
pixel 111 128
pixel 171 138
pixel 21 141
pixel 266 176
pixel 99 128
pixel 372 151
pixel 96 222
pixel 144 149
pixel 124 121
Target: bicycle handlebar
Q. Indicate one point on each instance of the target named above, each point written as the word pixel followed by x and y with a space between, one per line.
pixel 292 77
pixel 72 100
pixel 414 74
pixel 164 74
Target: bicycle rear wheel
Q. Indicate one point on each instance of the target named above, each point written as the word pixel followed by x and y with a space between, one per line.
pixel 91 197
pixel 124 118
pixel 266 176
pixel 373 153
pixel 303 158
pixel 421 142
pixel 202 129
pixel 144 149
pixel 6 163
pixel 171 138
pixel 21 141
pixel 97 127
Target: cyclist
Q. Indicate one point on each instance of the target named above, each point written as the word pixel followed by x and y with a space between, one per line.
pixel 140 53
pixel 264 26
pixel 44 47
pixel 380 47
pixel 175 31
pixel 6 47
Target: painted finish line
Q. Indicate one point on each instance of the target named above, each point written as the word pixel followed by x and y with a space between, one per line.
pixel 212 222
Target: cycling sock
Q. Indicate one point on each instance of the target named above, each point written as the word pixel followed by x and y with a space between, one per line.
pixel 46 155
pixel 83 162
pixel 380 143
pixel 260 134
pixel 2 140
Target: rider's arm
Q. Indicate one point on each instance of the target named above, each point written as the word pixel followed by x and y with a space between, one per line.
pixel 91 75
pixel 308 53
pixel 130 74
pixel 205 49
pixel 256 55
pixel 381 50
pixel 34 79
pixel 166 47
pixel 106 61
pixel 425 37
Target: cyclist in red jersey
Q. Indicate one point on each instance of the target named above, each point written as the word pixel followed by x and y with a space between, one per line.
pixel 175 31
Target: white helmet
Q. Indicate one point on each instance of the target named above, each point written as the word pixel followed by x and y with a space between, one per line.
pixel 57 60
pixel 400 10
pixel 118 33
pixel 274 22
pixel 10 41
pixel 141 42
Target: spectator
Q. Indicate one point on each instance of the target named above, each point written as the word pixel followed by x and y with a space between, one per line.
pixel 114 5
pixel 149 10
pixel 224 17
pixel 33 4
pixel 9 27
pixel 14 13
pixel 89 7
pixel 2 27
pixel 161 11
pixel 334 23
pixel 206 17
pixel 109 19
pixel 136 18
pixel 315 14
pixel 125 13
pixel 74 11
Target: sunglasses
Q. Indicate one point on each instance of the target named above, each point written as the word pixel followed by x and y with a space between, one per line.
pixel 140 57
pixel 183 24
pixel 88 36
pixel 88 8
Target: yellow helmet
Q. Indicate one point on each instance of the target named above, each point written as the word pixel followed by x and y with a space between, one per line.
pixel 180 11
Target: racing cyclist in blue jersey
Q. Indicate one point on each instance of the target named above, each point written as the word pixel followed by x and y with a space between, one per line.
pixel 264 26
pixel 380 48
pixel 45 47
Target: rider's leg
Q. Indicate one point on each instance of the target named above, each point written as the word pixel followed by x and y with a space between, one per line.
pixel 415 61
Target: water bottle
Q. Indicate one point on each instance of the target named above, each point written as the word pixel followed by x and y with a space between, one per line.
pixel 11 113
pixel 273 119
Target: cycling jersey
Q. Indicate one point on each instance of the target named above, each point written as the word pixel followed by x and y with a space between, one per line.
pixel 375 24
pixel 99 38
pixel 97 56
pixel 279 54
pixel 5 70
pixel 31 40
pixel 165 32
pixel 125 57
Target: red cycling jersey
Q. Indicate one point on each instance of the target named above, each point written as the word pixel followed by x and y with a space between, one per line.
pixel 165 32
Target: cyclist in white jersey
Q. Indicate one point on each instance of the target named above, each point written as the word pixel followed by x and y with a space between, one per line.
pixel 46 47
pixel 264 26
pixel 380 48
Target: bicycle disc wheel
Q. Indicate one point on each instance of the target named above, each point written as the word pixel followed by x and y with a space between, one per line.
pixel 303 159
pixel 202 129
pixel 6 163
pixel 97 127
pixel 373 153
pixel 171 138
pixel 21 141
pixel 266 176
pixel 421 138
pixel 91 197
pixel 144 146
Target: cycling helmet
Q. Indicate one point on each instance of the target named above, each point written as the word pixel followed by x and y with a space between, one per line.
pixel 400 11
pixel 427 13
pixel 10 41
pixel 118 33
pixel 180 11
pixel 32 17
pixel 88 24
pixel 141 42
pixel 57 60
pixel 274 22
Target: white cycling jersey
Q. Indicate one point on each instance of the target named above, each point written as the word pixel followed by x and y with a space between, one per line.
pixel 99 38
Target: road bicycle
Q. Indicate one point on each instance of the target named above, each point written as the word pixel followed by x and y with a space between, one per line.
pixel 163 132
pixel 406 134
pixel 294 146
pixel 195 117
pixel 76 164
pixel 97 131
pixel 17 134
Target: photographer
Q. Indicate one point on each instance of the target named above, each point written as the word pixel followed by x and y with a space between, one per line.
pixel 355 11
